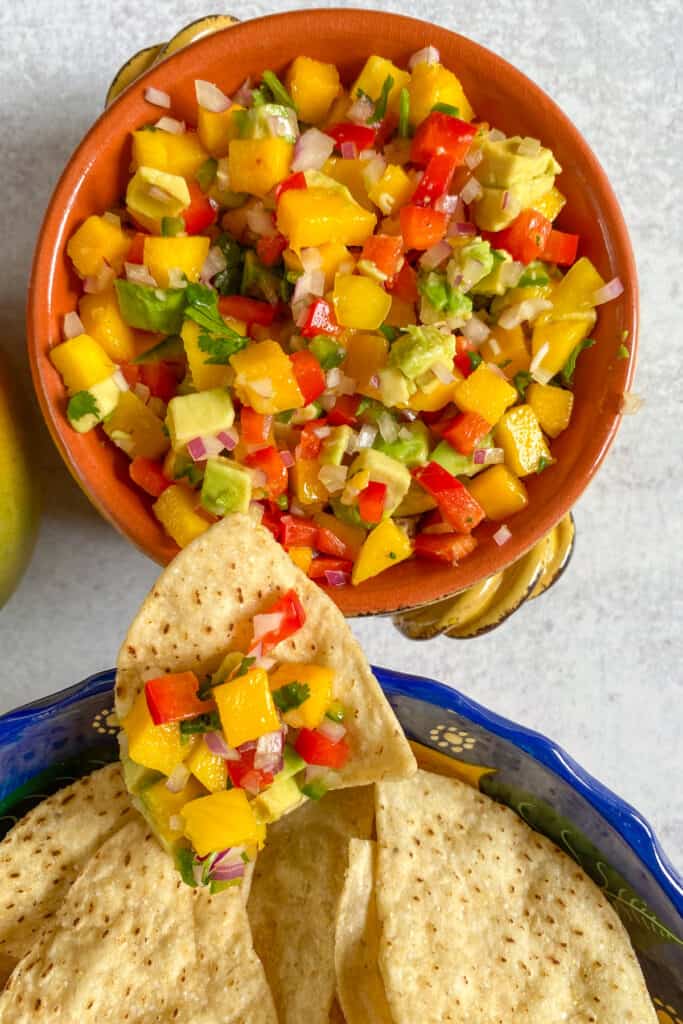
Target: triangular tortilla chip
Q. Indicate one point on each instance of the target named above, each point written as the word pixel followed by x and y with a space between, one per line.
pixel 483 920
pixel 131 938
pixel 202 606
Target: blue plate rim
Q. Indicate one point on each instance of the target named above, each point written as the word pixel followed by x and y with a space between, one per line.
pixel 625 819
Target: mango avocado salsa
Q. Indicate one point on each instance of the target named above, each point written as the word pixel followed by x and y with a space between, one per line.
pixel 344 310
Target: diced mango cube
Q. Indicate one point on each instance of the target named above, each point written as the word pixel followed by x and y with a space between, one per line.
pixel 338 110
pixel 199 414
pixel 221 820
pixel 366 355
pixel 360 302
pixel 246 707
pixel 181 154
pixel 315 215
pixel 205 376
pixel 521 438
pixel 307 485
pixel 264 378
pixel 319 681
pixel 484 392
pixel 82 363
pixel 175 510
pixel 153 746
pixel 576 291
pixel 507 349
pixel 209 768
pixel 552 405
pixel 350 174
pixel 375 72
pixel 313 85
pixel 385 546
pixel 98 239
pixel 257 165
pixel 135 428
pixel 433 396
pixel 558 339
pixel 217 129
pixel 401 313
pixel 431 84
pixel 551 203
pixel 302 557
pixel 162 806
pixel 102 320
pixel 499 492
pixel 186 254
pixel 392 190
pixel 152 195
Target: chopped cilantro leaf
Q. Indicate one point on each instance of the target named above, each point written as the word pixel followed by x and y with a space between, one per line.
pixel 335 712
pixel 216 338
pixel 389 332
pixel 243 667
pixel 210 722
pixel 522 380
pixel 570 366
pixel 543 463
pixel 506 362
pixel 446 108
pixel 206 174
pixel 290 696
pixel 392 555
pixel 475 359
pixel 205 687
pixel 381 105
pixel 280 94
pixel 623 352
pixel 83 403
pixel 404 114
pixel 185 862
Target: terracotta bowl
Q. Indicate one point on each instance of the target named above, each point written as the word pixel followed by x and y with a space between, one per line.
pixel 95 178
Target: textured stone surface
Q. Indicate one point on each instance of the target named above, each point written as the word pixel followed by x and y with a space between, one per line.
pixel 597 663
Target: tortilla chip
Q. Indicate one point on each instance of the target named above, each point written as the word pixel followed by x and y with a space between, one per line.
pixel 297 882
pixel 483 920
pixel 360 988
pixel 202 606
pixel 336 1016
pixel 46 850
pixel 130 936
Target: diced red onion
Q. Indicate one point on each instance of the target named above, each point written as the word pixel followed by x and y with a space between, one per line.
pixel 286 458
pixel 447 204
pixel 333 377
pixel 256 511
pixel 510 273
pixel 428 55
pixel 612 290
pixel 334 731
pixel 333 478
pixel 349 150
pixel 73 325
pixel 460 229
pixel 100 282
pixel 374 170
pixel 138 273
pixel 367 154
pixel 476 330
pixel 471 191
pixel 228 438
pixel 258 479
pixel 112 218
pixel 261 222
pixel 210 97
pixel 263 387
pixel 142 391
pixel 494 346
pixel 488 456
pixel 529 147
pixel 312 149
pixel 387 427
pixel 176 278
pixel 266 622
pixel 495 135
pixel 322 432
pixel 176 823
pixel 528 309
pixel 502 536
pixel 178 779
pixel 436 255
pixel 228 872
pixel 443 373
pixel 244 95
pixel 497 370
pixel 310 283
pixel 366 436
pixel 157 97
pixel 171 125
pixel 361 110
pixel 120 380
pixel 409 414
pixel 473 158
pixel 214 263
pixel 268 756
pixel 374 380
pixel 630 403
pixel 296 509
pixel 505 202
pixel 540 375
pixel 283 125
pixel 327 402
pixel 335 578
pixel 246 746
pixel 215 741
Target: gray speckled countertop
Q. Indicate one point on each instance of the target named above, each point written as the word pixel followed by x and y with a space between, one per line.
pixel 596 664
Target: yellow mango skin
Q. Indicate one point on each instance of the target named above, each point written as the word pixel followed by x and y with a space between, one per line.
pixel 359 302
pixel 316 215
pixel 204 375
pixel 553 407
pixel 308 487
pixel 175 510
pixel 131 416
pixel 561 337
pixel 152 195
pixel 216 130
pixel 499 492
pixel 302 558
pixel 162 255
pixel 265 361
pixel 366 355
pixel 220 820
pixel 513 350
pixel 103 321
pixel 82 363
pixel 385 546
pixel 313 85
pixel 210 769
pixel 258 165
pixel 153 746
pixel 519 435
pixel 433 83
pixel 162 805
pixel 486 393
pixel 319 680
pixel 246 707
pixel 175 154
pixel 551 203
pixel 350 174
pixel 371 79
pixel 96 240
pixel 392 190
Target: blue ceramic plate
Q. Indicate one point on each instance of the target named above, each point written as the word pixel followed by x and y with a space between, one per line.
pixel 53 741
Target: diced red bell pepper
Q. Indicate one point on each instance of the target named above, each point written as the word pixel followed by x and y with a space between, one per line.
pixel 465 431
pixel 161 380
pixel 385 251
pixel 361 135
pixel 292 617
pixel 136 253
pixel 252 311
pixel 344 411
pixel 148 474
pixel 422 227
pixel 298 532
pixel 270 248
pixel 404 284
pixel 320 319
pixel 269 461
pixel 441 133
pixel 435 181
pixel 385 130
pixel 330 544
pixel 271 518
pixel 173 698
pixel 254 426
pixel 560 248
pixel 446 547
pixel 131 373
pixel 201 213
pixel 371 501
pixel 319 566
pixel 463 347
pixel 243 775
pixel 310 444
pixel 309 375
pixel 316 748
pixel 297 180
pixel 525 239
pixel 457 505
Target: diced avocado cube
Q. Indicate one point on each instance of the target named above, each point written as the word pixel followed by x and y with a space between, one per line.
pixel 494 282
pixel 178 465
pixel 420 348
pixel 394 387
pixel 347 513
pixel 334 446
pixel 226 487
pixel 88 408
pixel 416 501
pixel 170 348
pixel 411 447
pixel 258 281
pixel 283 796
pixel 457 464
pixel 383 469
pixel 151 309
pixel 292 764
pixel 470 264
pixel 136 777
pixel 327 351
pixel 203 414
